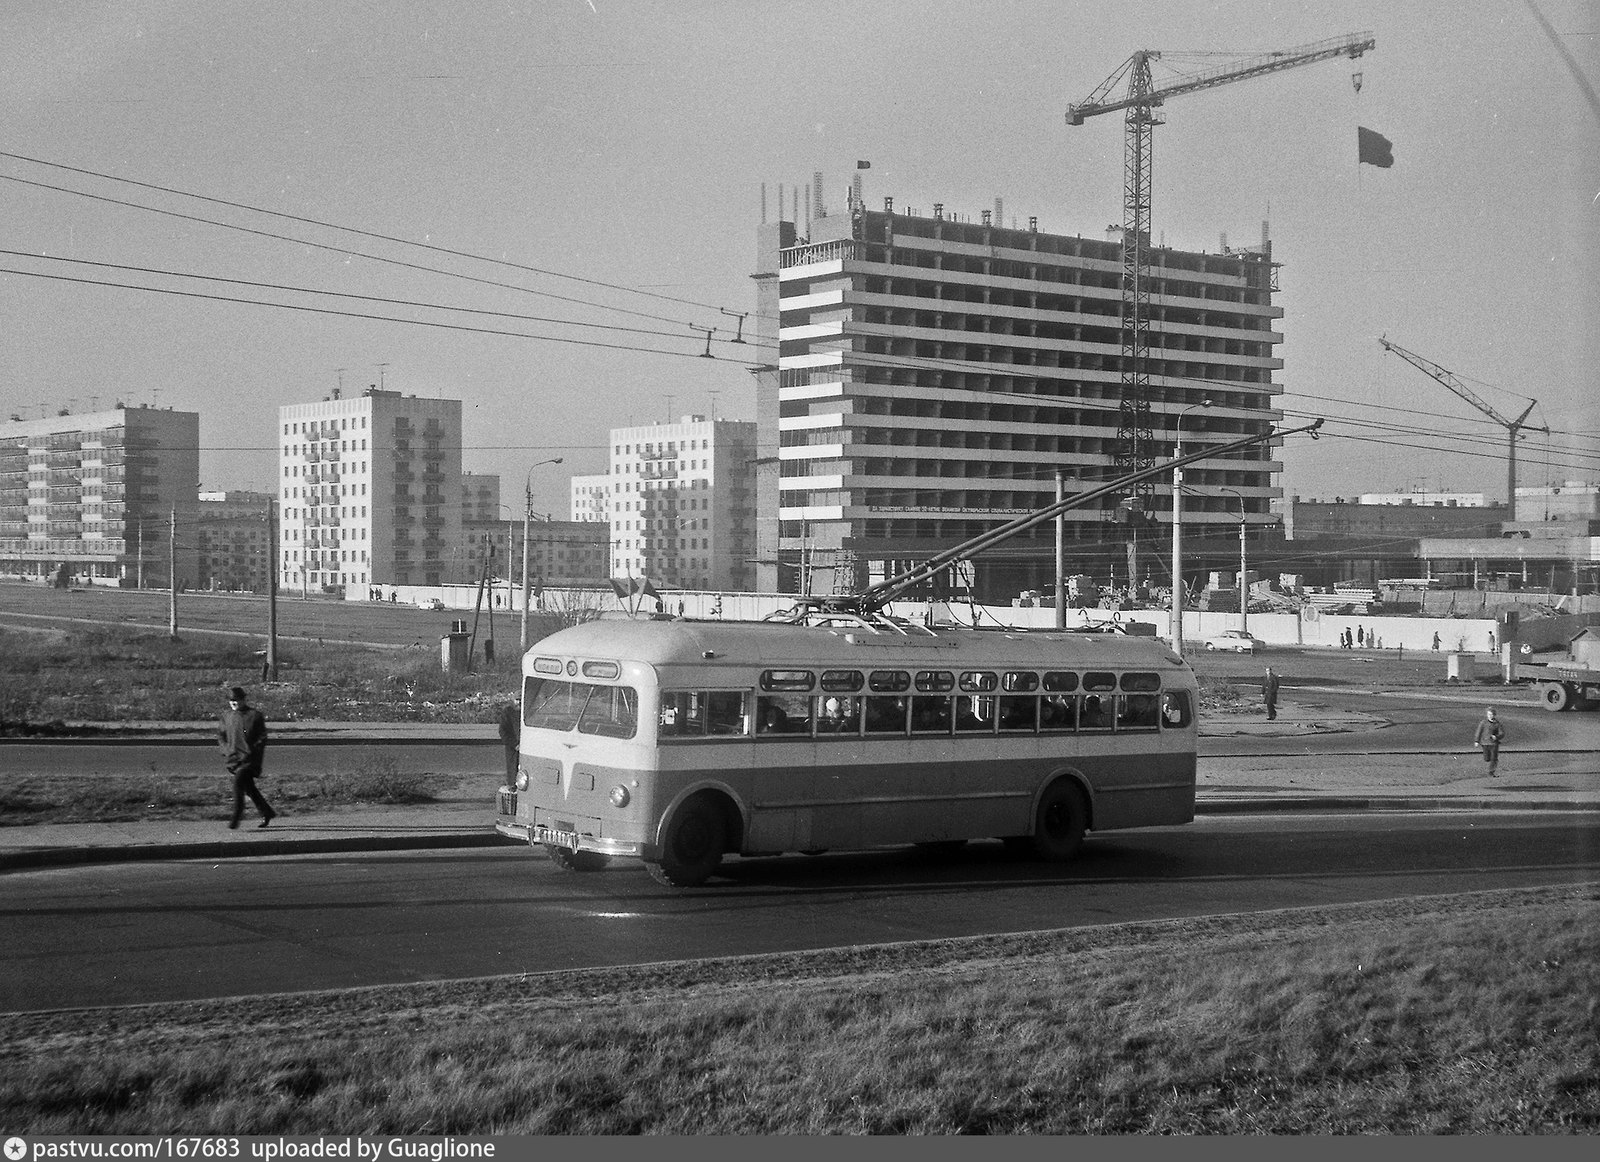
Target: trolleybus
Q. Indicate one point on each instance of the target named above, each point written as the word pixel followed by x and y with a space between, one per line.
pixel 679 742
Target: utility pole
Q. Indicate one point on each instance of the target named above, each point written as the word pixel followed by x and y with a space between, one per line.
pixel 527 523
pixel 1244 580
pixel 172 576
pixel 1061 551
pixel 270 668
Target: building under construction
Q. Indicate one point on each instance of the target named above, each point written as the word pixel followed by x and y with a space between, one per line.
pixel 933 375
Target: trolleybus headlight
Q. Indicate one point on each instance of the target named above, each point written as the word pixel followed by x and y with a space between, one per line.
pixel 620 796
pixel 522 779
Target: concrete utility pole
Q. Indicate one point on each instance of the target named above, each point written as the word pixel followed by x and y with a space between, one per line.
pixel 270 669
pixel 527 528
pixel 1178 592
pixel 1244 585
pixel 1061 551
pixel 172 576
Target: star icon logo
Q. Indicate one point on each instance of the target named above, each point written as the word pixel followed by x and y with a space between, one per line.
pixel 16 1149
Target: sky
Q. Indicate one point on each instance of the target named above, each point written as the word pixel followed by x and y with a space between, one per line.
pixel 602 164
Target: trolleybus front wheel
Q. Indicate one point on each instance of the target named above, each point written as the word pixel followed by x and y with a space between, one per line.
pixel 692 847
pixel 1058 825
pixel 574 861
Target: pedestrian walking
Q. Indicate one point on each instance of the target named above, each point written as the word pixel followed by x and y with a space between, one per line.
pixel 1436 641
pixel 1269 693
pixel 242 738
pixel 1361 636
pixel 1488 739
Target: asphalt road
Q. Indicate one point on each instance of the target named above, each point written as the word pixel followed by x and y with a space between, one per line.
pixel 136 933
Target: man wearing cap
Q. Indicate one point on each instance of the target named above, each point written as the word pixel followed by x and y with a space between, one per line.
pixel 242 738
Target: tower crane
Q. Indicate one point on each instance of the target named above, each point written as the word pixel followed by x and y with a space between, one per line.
pixel 1513 428
pixel 1135 438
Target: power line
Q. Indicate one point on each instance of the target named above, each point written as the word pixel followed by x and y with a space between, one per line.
pixel 345 250
pixel 335 294
pixel 357 231
pixel 350 314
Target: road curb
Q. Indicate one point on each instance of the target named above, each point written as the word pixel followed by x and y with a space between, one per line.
pixel 222 849
pixel 1383 803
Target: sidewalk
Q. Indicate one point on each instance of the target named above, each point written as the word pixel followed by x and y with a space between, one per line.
pixel 1229 782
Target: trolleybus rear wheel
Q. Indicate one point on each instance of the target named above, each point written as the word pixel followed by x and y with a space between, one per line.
pixel 1060 822
pixel 692 847
pixel 574 861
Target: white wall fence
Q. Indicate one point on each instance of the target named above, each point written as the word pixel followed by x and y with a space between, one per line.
pixel 1307 628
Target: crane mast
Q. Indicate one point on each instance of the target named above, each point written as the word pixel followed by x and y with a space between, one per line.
pixel 1135 444
pixel 1513 428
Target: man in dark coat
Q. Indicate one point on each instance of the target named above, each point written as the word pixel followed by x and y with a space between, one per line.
pixel 1269 693
pixel 1488 739
pixel 242 738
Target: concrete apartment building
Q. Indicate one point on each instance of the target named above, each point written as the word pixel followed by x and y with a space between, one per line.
pixel 560 552
pixel 682 503
pixel 932 375
pixel 92 497
pixel 591 497
pixel 369 492
pixel 234 541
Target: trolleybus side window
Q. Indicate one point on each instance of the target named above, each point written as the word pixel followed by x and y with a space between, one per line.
pixel 1019 705
pixel 1058 709
pixel 783 714
pixel 1095 712
pixel 842 681
pixel 887 705
pixel 1138 708
pixel 696 713
pixel 930 705
pixel 1175 713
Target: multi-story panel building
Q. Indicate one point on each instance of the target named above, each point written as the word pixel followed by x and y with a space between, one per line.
pixel 591 497
pixel 94 497
pixel 934 375
pixel 369 491
pixel 234 540
pixel 480 497
pixel 682 503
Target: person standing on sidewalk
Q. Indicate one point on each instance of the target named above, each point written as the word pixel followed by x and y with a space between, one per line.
pixel 1488 739
pixel 1269 693
pixel 242 738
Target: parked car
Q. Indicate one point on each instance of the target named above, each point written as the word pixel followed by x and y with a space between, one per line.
pixel 432 603
pixel 1236 640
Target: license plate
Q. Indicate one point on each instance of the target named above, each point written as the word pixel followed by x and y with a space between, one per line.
pixel 567 839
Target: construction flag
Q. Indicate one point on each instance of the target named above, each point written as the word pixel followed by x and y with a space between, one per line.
pixel 863 165
pixel 643 586
pixel 623 589
pixel 1373 148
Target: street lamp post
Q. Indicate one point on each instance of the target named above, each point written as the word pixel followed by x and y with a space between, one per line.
pixel 527 522
pixel 1177 541
pixel 1244 585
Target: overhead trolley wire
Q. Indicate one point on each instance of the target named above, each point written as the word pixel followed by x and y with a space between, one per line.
pixel 345 250
pixel 358 231
pixel 350 314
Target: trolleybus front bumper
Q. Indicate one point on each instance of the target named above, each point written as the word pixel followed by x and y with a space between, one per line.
pixel 518 827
